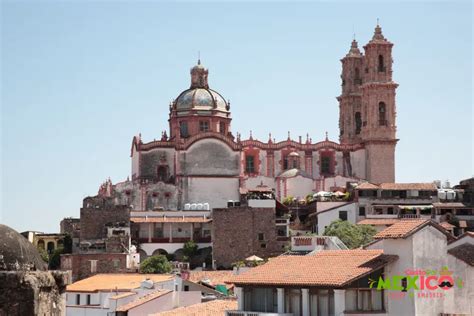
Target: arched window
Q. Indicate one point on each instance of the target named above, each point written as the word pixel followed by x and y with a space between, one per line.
pixel 163 173
pixel 183 129
pixel 381 64
pixel 358 123
pixel 382 115
pixel 50 247
pixel 357 79
pixel 41 244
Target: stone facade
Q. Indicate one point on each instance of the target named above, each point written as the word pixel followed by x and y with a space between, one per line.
pixel 240 232
pixel 70 226
pixel 367 110
pixel 83 266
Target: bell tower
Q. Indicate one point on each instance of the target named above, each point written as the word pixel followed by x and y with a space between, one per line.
pixel 350 100
pixel 378 131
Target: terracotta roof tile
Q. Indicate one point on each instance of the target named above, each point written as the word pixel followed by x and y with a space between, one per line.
pixel 408 186
pixel 142 300
pixel 212 308
pixel 326 268
pixel 367 186
pixel 397 186
pixel 113 281
pixel 378 221
pixel 402 229
pixel 464 252
pixel 406 227
pixel 446 225
pixel 170 219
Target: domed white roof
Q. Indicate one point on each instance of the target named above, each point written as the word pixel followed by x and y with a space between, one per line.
pixel 201 99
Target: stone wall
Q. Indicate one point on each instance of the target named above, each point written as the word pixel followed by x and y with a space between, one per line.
pixel 97 213
pixel 32 292
pixel 70 226
pixel 236 234
pixel 80 264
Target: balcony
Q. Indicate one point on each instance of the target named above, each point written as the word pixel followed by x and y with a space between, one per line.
pixel 245 313
pixel 174 240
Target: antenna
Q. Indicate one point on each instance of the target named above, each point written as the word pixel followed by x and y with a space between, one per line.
pixel 199 57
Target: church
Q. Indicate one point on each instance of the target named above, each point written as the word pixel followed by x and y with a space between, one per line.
pixel 200 160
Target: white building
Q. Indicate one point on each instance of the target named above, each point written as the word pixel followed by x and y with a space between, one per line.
pixel 127 294
pixel 337 282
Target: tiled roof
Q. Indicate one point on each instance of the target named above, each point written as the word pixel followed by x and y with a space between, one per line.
pixel 397 186
pixel 215 277
pixel 211 308
pixel 464 252
pixel 406 227
pixel 408 186
pixel 367 186
pixel 449 205
pixel 326 268
pixel 446 225
pixel 113 281
pixel 378 221
pixel 142 300
pixel 170 219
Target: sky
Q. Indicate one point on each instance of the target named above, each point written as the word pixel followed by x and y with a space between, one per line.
pixel 80 79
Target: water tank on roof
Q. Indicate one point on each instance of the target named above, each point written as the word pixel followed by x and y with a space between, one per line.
pixel 187 206
pixel 442 194
pixel 193 206
pixel 450 195
pixel 199 206
pixel 206 206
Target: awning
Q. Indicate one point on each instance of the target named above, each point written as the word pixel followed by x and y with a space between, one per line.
pixel 415 207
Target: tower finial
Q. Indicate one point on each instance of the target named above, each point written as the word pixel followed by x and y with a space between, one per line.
pixel 199 57
pixel 377 21
pixel 327 136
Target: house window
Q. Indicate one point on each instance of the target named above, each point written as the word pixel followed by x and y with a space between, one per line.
pixel 362 211
pixel 222 128
pixel 93 266
pixel 249 164
pixel 263 246
pixel 285 163
pixel 358 123
pixel 78 299
pixel 186 288
pixel 357 79
pixel 382 116
pixel 325 165
pixel 183 129
pixel 390 210
pixel 88 299
pixel 381 66
pixel 343 215
pixel 162 173
pixel 261 236
pixel 204 126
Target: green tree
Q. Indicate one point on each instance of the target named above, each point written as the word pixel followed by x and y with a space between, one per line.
pixel 353 236
pixel 190 249
pixel 55 259
pixel 44 255
pixel 156 264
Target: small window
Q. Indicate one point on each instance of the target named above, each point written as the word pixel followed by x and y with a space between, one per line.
pixel 382 115
pixel 263 246
pixel 204 126
pixel 186 288
pixel 390 210
pixel 88 299
pixel 358 123
pixel 78 299
pixel 222 128
pixel 362 211
pixel 249 164
pixel 93 266
pixel 261 236
pixel 381 66
pixel 183 129
pixel 343 215
pixel 325 165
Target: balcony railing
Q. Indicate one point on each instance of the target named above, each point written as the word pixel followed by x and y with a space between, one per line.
pixel 244 313
pixel 175 240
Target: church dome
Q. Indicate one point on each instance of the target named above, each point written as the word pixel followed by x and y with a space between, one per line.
pixel 201 99
pixel 199 96
pixel 17 253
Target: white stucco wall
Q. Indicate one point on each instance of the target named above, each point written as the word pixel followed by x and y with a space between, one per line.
pixel 326 218
pixel 215 191
pixel 253 182
pixel 298 187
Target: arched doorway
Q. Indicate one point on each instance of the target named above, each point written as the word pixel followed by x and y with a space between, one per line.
pixel 40 244
pixel 50 246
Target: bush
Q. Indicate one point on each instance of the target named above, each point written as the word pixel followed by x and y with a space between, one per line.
pixel 190 249
pixel 353 236
pixel 55 259
pixel 156 264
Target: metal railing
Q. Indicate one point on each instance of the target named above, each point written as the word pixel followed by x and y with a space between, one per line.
pixel 250 313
